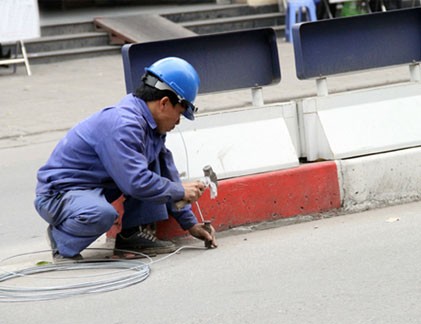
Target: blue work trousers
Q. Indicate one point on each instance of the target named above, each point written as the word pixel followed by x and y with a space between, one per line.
pixel 79 217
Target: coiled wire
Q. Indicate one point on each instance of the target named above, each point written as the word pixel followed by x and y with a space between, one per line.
pixel 125 273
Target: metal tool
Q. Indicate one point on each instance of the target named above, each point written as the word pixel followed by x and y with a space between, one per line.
pixel 209 180
pixel 209 173
pixel 207 225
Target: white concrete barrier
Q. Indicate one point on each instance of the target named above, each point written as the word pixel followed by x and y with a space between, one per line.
pixel 361 122
pixel 237 142
pixel 380 180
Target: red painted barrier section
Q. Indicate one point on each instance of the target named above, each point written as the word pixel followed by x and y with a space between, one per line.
pixel 307 189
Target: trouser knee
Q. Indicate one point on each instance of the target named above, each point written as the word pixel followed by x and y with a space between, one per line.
pixel 106 219
pixel 79 212
pixel 99 221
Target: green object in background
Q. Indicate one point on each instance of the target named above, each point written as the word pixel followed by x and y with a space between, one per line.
pixel 351 8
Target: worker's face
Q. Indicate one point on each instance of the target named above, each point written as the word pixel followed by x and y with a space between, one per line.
pixel 170 115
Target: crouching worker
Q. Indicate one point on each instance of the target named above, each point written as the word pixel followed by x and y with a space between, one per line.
pixel 121 150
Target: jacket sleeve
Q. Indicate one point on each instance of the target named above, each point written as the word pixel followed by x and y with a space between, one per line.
pixel 121 147
pixel 185 216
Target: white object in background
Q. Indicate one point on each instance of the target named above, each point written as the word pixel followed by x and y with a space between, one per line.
pixel 362 122
pixel 235 143
pixel 19 20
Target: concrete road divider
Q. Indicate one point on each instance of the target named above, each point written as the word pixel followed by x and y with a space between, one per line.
pixel 307 189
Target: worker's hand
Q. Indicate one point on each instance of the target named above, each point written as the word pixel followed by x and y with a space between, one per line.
pixel 193 191
pixel 199 231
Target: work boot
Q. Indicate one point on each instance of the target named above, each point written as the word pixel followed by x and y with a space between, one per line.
pixel 142 239
pixel 57 257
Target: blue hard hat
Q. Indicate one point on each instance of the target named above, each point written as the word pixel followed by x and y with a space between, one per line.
pixel 179 76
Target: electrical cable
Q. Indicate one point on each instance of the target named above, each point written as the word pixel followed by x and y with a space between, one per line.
pixel 188 169
pixel 126 272
pixel 200 211
pixel 185 153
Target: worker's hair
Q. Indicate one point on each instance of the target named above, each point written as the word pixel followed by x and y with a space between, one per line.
pixel 148 93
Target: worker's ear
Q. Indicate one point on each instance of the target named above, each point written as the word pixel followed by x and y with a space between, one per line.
pixel 164 101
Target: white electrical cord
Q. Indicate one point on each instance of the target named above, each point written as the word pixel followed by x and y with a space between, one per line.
pixel 125 273
pixel 185 153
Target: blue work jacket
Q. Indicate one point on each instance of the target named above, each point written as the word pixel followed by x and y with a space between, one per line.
pixel 115 148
